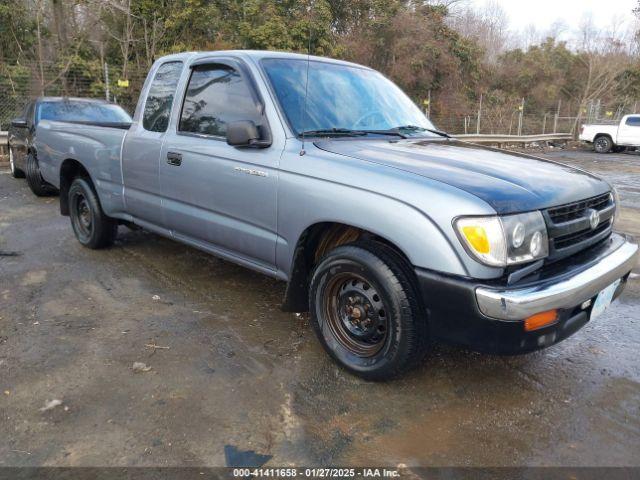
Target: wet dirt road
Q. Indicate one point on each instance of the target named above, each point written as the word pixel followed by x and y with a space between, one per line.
pixel 229 371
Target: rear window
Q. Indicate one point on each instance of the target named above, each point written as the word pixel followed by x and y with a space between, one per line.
pixel 77 111
pixel 633 121
pixel 157 108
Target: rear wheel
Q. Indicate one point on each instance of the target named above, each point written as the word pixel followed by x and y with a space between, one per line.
pixel 36 183
pixel 603 144
pixel 92 227
pixel 15 172
pixel 366 312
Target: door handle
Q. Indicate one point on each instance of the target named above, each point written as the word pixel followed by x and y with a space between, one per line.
pixel 174 159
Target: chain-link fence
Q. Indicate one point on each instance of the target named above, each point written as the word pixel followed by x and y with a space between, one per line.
pixel 514 119
pixel 21 82
pixel 532 124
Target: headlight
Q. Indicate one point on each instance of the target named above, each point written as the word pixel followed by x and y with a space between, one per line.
pixel 616 202
pixel 507 240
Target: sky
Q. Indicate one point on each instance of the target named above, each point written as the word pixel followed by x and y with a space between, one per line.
pixel 543 13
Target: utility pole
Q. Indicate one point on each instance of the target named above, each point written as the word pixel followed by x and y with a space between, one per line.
pixel 521 108
pixel 106 80
pixel 479 116
pixel 555 119
pixel 544 123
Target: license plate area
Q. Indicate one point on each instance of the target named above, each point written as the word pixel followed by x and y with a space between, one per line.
pixel 603 299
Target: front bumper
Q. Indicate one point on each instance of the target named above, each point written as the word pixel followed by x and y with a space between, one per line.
pixel 490 316
pixel 519 303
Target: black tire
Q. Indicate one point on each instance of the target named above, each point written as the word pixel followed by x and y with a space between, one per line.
pixel 92 227
pixel 368 277
pixel 34 179
pixel 602 144
pixel 15 171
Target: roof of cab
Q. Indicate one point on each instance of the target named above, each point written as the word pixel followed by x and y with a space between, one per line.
pixel 256 55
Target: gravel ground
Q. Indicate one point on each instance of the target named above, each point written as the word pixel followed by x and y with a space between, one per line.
pixel 227 371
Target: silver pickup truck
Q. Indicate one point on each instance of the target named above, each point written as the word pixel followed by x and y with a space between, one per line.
pixel 323 174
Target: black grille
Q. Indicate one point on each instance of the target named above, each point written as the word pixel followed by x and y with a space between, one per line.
pixel 569 227
pixel 575 210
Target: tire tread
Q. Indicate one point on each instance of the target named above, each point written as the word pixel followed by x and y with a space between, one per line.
pixel 399 276
pixel 105 228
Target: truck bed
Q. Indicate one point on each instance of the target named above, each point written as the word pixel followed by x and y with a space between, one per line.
pixel 96 144
pixel 588 132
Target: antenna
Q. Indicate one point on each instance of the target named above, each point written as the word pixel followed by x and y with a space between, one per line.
pixel 306 85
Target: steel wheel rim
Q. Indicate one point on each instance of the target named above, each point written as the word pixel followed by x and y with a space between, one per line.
pixel 83 218
pixel 602 143
pixel 356 314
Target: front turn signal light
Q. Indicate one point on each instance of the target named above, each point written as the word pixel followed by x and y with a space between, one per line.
pixel 483 238
pixel 539 320
pixel 477 238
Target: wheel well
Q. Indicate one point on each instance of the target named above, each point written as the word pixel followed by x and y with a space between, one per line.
pixel 69 170
pixel 598 135
pixel 313 244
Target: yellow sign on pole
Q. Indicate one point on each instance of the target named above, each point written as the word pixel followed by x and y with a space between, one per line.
pixel 609 114
pixel 123 83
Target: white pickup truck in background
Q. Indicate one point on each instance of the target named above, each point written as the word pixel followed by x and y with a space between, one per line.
pixel 607 138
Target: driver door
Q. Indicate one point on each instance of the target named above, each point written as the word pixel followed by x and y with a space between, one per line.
pixel 217 196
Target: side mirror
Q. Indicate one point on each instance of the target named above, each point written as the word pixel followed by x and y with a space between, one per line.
pixel 19 123
pixel 244 133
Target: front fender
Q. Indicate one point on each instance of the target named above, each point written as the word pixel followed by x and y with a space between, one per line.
pixel 403 225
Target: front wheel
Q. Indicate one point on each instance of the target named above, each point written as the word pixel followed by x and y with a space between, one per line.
pixel 92 227
pixel 603 144
pixel 15 171
pixel 366 312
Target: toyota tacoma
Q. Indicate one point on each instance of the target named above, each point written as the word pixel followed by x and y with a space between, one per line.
pixel 324 174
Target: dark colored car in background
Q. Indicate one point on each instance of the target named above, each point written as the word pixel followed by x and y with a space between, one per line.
pixel 23 157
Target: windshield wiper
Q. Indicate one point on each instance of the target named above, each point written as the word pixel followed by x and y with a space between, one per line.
pixel 333 131
pixel 347 132
pixel 351 133
pixel 415 128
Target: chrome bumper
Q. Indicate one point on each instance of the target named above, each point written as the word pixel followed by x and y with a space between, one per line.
pixel 520 303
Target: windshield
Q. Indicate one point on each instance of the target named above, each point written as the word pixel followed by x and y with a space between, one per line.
pixel 341 97
pixel 78 111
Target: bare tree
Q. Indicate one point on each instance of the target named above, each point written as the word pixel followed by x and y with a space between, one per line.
pixel 604 58
pixel 121 29
pixel 487 25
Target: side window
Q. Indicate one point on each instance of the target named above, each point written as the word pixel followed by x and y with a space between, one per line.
pixel 633 121
pixel 157 107
pixel 217 95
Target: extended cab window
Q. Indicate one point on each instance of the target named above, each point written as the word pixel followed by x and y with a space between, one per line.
pixel 633 121
pixel 157 108
pixel 217 95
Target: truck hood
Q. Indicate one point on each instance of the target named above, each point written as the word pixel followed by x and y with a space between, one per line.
pixel 509 182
